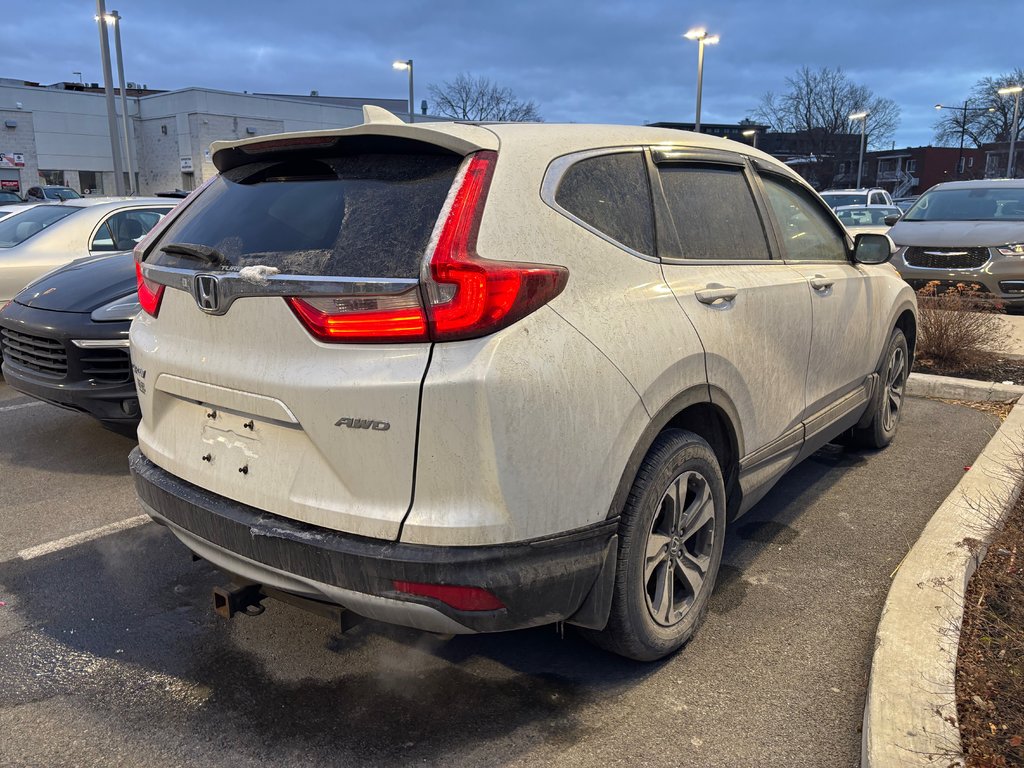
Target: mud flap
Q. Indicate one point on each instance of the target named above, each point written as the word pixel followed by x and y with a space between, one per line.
pixel 597 606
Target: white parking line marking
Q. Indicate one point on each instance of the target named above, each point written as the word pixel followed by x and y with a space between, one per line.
pixel 20 405
pixel 80 538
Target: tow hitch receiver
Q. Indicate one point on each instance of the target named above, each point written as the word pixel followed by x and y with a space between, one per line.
pixel 238 598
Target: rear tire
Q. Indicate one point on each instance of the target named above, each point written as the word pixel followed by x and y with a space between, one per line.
pixel 888 405
pixel 671 536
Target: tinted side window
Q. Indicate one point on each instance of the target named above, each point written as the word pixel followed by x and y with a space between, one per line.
pixel 807 234
pixel 611 194
pixel 714 212
pixel 124 230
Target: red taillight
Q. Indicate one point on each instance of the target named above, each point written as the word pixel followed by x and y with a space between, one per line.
pixel 396 317
pixel 469 296
pixel 465 296
pixel 150 293
pixel 459 598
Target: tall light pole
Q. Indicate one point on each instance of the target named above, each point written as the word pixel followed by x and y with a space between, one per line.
pixel 1010 161
pixel 863 117
pixel 108 90
pixel 407 64
pixel 751 133
pixel 963 130
pixel 114 19
pixel 703 38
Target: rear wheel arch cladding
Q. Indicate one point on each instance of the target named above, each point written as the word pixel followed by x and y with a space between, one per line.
pixel 706 411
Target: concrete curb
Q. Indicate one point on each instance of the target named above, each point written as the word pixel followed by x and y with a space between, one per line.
pixel 951 388
pixel 910 716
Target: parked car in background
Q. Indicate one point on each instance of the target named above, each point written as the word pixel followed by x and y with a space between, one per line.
pixel 905 203
pixel 873 196
pixel 65 339
pixel 966 232
pixel 7 197
pixel 868 218
pixel 43 237
pixel 585 393
pixel 51 193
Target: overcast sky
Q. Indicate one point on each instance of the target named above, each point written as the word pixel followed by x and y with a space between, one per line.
pixel 581 61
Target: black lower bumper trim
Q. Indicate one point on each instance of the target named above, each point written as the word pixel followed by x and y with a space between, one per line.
pixel 539 581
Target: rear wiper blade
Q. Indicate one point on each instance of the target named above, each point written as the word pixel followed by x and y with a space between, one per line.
pixel 202 252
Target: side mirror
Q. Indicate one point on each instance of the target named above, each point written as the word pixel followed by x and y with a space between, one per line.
pixel 891 219
pixel 869 248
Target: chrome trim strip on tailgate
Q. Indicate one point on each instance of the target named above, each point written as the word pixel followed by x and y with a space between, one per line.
pixel 239 284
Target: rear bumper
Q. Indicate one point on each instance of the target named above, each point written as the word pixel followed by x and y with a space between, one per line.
pixel 561 578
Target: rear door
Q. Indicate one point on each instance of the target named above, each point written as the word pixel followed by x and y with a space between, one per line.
pixel 842 348
pixel 281 369
pixel 751 311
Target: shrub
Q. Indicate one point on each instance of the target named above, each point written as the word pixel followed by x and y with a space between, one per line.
pixel 956 327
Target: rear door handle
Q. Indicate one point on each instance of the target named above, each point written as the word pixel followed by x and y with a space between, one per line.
pixel 821 283
pixel 715 294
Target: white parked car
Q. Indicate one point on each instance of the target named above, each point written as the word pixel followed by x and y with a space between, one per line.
pixel 868 218
pixel 471 378
pixel 38 238
pixel 863 196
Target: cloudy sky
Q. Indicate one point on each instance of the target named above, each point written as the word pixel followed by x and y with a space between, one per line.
pixel 581 61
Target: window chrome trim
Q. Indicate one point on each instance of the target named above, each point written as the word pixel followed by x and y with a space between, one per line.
pixel 232 285
pixel 553 177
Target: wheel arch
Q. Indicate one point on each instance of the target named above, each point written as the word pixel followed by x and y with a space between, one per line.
pixel 706 412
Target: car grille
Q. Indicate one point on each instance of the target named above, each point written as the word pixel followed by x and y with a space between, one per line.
pixel 945 258
pixel 110 366
pixel 44 356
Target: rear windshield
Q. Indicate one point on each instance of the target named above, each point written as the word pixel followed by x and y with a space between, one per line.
pixel 367 215
pixel 60 193
pixel 836 200
pixel 969 204
pixel 19 227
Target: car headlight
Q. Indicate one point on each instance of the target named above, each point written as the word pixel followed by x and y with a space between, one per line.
pixel 124 308
pixel 1013 249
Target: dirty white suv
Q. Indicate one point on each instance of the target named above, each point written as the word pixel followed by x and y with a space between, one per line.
pixel 470 378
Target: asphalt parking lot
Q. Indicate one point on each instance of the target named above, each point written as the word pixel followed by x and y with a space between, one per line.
pixel 110 653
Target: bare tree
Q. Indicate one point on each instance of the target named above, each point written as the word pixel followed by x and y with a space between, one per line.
pixel 477 98
pixel 988 114
pixel 821 102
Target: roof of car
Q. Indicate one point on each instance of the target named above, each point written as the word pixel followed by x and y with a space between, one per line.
pixel 851 191
pixel 551 139
pixel 873 206
pixel 114 202
pixel 981 184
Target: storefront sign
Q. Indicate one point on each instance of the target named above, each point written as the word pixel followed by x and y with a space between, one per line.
pixel 10 185
pixel 12 160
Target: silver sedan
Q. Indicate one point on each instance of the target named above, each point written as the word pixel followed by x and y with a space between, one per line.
pixel 42 237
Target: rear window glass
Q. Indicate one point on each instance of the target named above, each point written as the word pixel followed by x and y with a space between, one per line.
pixel 358 216
pixel 611 194
pixel 714 212
pixel 19 227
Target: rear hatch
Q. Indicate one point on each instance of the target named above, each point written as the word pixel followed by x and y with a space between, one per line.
pixel 280 359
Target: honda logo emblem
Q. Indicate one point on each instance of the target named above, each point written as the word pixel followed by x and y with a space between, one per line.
pixel 206 289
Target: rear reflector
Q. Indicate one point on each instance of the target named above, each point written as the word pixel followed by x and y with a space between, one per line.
pixel 459 598
pixel 150 293
pixel 390 317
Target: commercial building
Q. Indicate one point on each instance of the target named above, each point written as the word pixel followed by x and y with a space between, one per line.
pixel 58 134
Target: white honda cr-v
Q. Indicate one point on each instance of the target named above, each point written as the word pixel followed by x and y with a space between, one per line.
pixel 471 378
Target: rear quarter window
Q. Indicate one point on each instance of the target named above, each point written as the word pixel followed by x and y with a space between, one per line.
pixel 367 215
pixel 611 193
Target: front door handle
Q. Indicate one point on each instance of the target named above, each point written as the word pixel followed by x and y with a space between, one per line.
pixel 716 295
pixel 821 283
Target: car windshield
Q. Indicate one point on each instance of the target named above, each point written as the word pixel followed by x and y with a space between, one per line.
pixel 866 217
pixel 9 197
pixel 969 204
pixel 18 228
pixel 835 200
pixel 60 193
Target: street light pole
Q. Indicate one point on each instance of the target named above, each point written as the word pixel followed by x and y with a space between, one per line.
pixel 1011 160
pixel 863 117
pixel 963 130
pixel 115 21
pixel 108 90
pixel 752 133
pixel 407 64
pixel 703 38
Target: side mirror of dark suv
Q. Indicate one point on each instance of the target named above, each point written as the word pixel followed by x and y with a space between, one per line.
pixel 869 248
pixel 891 219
